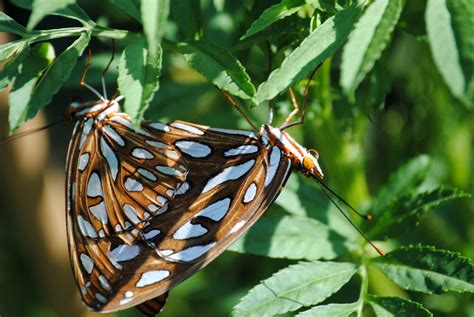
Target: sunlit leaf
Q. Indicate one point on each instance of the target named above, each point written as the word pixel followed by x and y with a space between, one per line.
pixel 368 40
pixel 42 8
pixel 72 11
pixel 273 14
pixel 396 306
pixel 293 287
pixel 428 270
pixel 318 46
pixel 129 7
pixel 331 310
pixel 7 24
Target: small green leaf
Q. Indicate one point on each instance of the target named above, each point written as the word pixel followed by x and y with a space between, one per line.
pixel 138 78
pixel 272 14
pixel 319 45
pixel 403 213
pixel 42 8
pixel 154 16
pixel 55 75
pixel 443 46
pixel 405 179
pixel 130 7
pixel 368 40
pixel 10 49
pixel 10 70
pixel 303 284
pixel 29 71
pixel 72 11
pixel 331 310
pixel 187 14
pixel 396 306
pixel 219 66
pixel 292 237
pixel 428 270
pixel 7 24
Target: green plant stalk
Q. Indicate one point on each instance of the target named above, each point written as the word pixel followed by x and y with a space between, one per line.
pixel 363 287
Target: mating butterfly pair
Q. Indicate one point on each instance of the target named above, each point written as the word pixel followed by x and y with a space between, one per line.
pixel 147 208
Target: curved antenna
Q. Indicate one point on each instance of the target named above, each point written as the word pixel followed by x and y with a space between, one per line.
pixel 83 78
pixel 270 102
pixel 323 188
pixel 10 138
pixel 236 106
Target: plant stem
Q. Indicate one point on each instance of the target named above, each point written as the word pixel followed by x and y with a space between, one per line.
pixel 363 287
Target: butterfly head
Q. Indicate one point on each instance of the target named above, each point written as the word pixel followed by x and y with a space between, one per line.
pixel 310 164
pixel 99 109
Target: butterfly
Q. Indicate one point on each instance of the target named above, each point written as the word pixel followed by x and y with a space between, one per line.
pixel 148 207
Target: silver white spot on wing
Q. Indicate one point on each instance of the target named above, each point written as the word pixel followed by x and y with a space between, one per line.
pixel 250 193
pixel 104 283
pixel 275 157
pixel 156 144
pixel 151 234
pixel 188 231
pixel 141 153
pixel 100 212
pixel 113 135
pixel 183 188
pixel 122 121
pixel 101 298
pixel 234 132
pixel 152 277
pixel 194 149
pixel 125 252
pixel 168 170
pixel 85 131
pixel 191 253
pixel 159 126
pixel 86 228
pixel 110 157
pixel 161 200
pixel 83 161
pixel 87 263
pixel 147 174
pixel 152 208
pixel 172 154
pixel 132 185
pixel 229 173
pixel 215 211
pixel 242 150
pixel 237 227
pixel 94 186
pixel 187 128
pixel 131 213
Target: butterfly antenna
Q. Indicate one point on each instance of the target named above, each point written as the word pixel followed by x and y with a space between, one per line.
pixel 102 76
pixel 236 106
pixel 270 102
pixel 10 138
pixel 324 188
pixel 83 78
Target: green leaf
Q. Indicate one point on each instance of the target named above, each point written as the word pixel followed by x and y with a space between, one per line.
pixel 72 11
pixel 129 7
pixel 42 8
pixel 187 13
pixel 219 66
pixel 138 78
pixel 396 306
pixel 291 288
pixel 272 14
pixel 56 74
pixel 331 310
pixel 154 16
pixel 11 48
pixel 462 14
pixel 10 70
pixel 7 24
pixel 292 237
pixel 443 46
pixel 29 71
pixel 368 40
pixel 402 215
pixel 404 180
pixel 428 270
pixel 319 45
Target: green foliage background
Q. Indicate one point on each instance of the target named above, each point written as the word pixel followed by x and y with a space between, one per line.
pixel 390 111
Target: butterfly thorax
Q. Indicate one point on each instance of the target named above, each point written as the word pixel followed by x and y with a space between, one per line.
pixel 306 160
pixel 92 109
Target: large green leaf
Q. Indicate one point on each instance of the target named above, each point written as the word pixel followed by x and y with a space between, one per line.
pixel 368 40
pixel 138 78
pixel 55 75
pixel 42 8
pixel 319 45
pixel 292 237
pixel 7 24
pixel 187 13
pixel 331 310
pixel 10 70
pixel 402 215
pixel 291 288
pixel 408 177
pixel 273 14
pixel 219 66
pixel 428 270
pixel 396 306
pixel 130 7
pixel 154 16
pixel 444 47
pixel 28 73
pixel 72 11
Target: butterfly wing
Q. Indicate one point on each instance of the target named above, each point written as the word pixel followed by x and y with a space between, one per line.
pixel 232 180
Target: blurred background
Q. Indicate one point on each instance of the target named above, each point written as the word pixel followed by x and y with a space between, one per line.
pixel 402 110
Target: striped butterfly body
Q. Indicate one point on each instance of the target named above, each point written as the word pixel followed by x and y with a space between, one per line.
pixel 147 208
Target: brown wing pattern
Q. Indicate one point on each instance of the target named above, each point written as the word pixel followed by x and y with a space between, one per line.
pixel 232 180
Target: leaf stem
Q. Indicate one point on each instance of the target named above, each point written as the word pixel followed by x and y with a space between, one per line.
pixel 96 30
pixel 363 287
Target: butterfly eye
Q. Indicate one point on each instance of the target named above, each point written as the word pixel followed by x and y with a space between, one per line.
pixel 308 162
